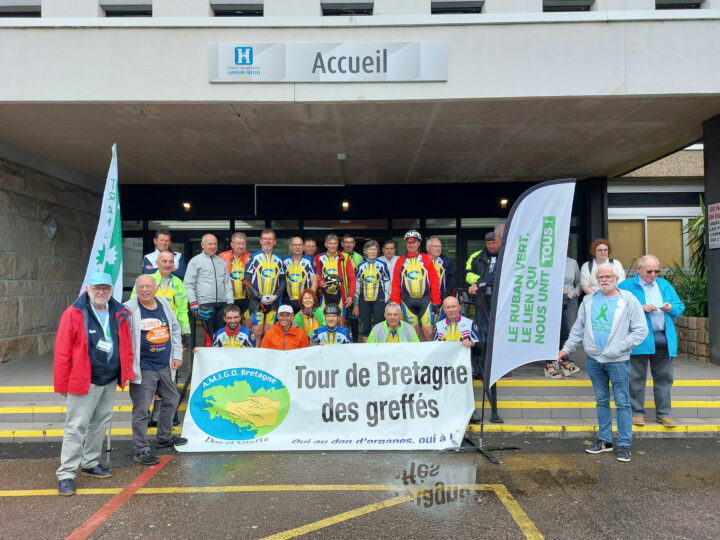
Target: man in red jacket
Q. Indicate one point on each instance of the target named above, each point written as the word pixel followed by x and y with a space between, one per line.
pixel 416 287
pixel 93 352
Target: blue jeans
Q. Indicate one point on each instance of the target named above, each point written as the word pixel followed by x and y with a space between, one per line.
pixel 618 373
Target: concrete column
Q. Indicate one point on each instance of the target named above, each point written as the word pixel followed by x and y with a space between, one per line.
pixel 181 8
pixel 711 141
pixel 513 6
pixel 710 4
pixel 620 5
pixel 76 8
pixel 401 7
pixel 292 8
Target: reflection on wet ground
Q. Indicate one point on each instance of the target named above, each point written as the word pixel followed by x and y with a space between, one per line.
pixel 549 488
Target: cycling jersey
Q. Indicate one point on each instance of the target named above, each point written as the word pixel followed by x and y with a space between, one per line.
pixel 415 277
pixel 297 275
pixel 241 337
pixel 341 266
pixel 372 281
pixel 325 336
pixel 265 274
pixel 459 330
pixel 236 268
pixel 445 269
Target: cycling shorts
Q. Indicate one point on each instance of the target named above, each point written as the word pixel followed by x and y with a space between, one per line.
pixel 268 315
pixel 417 311
pixel 243 304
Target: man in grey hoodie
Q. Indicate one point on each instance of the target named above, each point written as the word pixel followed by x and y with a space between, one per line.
pixel 610 324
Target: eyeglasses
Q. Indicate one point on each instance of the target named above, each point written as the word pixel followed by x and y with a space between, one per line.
pixel 652 271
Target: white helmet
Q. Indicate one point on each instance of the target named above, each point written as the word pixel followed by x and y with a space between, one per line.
pixel 412 233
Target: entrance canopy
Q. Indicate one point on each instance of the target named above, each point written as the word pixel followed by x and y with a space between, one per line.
pixel 382 143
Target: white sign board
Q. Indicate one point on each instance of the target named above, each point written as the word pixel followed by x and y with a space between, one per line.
pixel 713 218
pixel 385 396
pixel 328 62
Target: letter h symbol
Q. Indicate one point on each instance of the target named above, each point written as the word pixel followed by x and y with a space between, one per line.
pixel 244 56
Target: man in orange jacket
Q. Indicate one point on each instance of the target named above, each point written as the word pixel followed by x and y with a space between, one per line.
pixel 93 352
pixel 285 336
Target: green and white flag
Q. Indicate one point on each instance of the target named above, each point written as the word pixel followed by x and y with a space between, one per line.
pixel 106 253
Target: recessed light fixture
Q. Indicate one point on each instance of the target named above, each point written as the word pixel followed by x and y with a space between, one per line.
pixel 503 203
pixel 345 206
pixel 186 206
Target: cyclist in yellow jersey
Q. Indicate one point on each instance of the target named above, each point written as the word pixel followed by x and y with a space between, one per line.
pixel 236 258
pixel 299 274
pixel 232 335
pixel 265 284
pixel 372 290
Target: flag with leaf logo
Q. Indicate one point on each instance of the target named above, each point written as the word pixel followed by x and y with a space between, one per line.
pixel 106 253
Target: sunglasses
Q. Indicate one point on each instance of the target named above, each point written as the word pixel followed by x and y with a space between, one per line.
pixel 652 271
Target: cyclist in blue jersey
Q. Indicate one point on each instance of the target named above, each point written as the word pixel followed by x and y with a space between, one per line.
pixel 372 289
pixel 265 284
pixel 331 333
pixel 299 274
pixel 233 334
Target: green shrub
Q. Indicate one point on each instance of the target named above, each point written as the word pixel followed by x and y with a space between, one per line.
pixel 692 290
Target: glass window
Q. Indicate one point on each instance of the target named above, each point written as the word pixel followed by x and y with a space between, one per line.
pixel 285 224
pixel 133 225
pixel 440 223
pixel 132 263
pixel 627 238
pixel 482 223
pixel 195 224
pixel 344 225
pixel 405 223
pixel 250 224
pixel 665 241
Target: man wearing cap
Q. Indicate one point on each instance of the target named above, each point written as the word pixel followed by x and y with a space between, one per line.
pixel 208 286
pixel 480 275
pixel 157 348
pixel 93 353
pixel 285 335
pixel 393 329
pixel 416 288
pixel 331 333
pixel 162 241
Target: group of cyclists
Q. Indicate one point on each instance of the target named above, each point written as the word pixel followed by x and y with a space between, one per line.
pixel 336 295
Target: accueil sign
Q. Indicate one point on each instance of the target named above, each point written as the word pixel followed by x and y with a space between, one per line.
pixel 328 62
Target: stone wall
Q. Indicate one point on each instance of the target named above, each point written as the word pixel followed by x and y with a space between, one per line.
pixel 40 277
pixel 694 338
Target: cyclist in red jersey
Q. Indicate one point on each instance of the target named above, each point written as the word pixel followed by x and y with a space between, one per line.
pixel 416 287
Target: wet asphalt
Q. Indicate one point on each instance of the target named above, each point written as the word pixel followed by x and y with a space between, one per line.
pixel 670 489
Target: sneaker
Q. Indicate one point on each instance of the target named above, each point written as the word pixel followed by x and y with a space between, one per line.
pixel 638 420
pixel 98 471
pixel 66 487
pixel 599 446
pixel 146 458
pixel 174 441
pixel 623 453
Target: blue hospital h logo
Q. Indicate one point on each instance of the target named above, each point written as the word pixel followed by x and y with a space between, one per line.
pixel 244 56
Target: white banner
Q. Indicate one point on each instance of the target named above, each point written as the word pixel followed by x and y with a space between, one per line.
pixel 385 396
pixel 527 305
pixel 328 62
pixel 106 252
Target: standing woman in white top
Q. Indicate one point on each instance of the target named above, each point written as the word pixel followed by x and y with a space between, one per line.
pixel 600 251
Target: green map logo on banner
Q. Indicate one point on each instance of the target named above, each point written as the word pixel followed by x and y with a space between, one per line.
pixel 239 404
